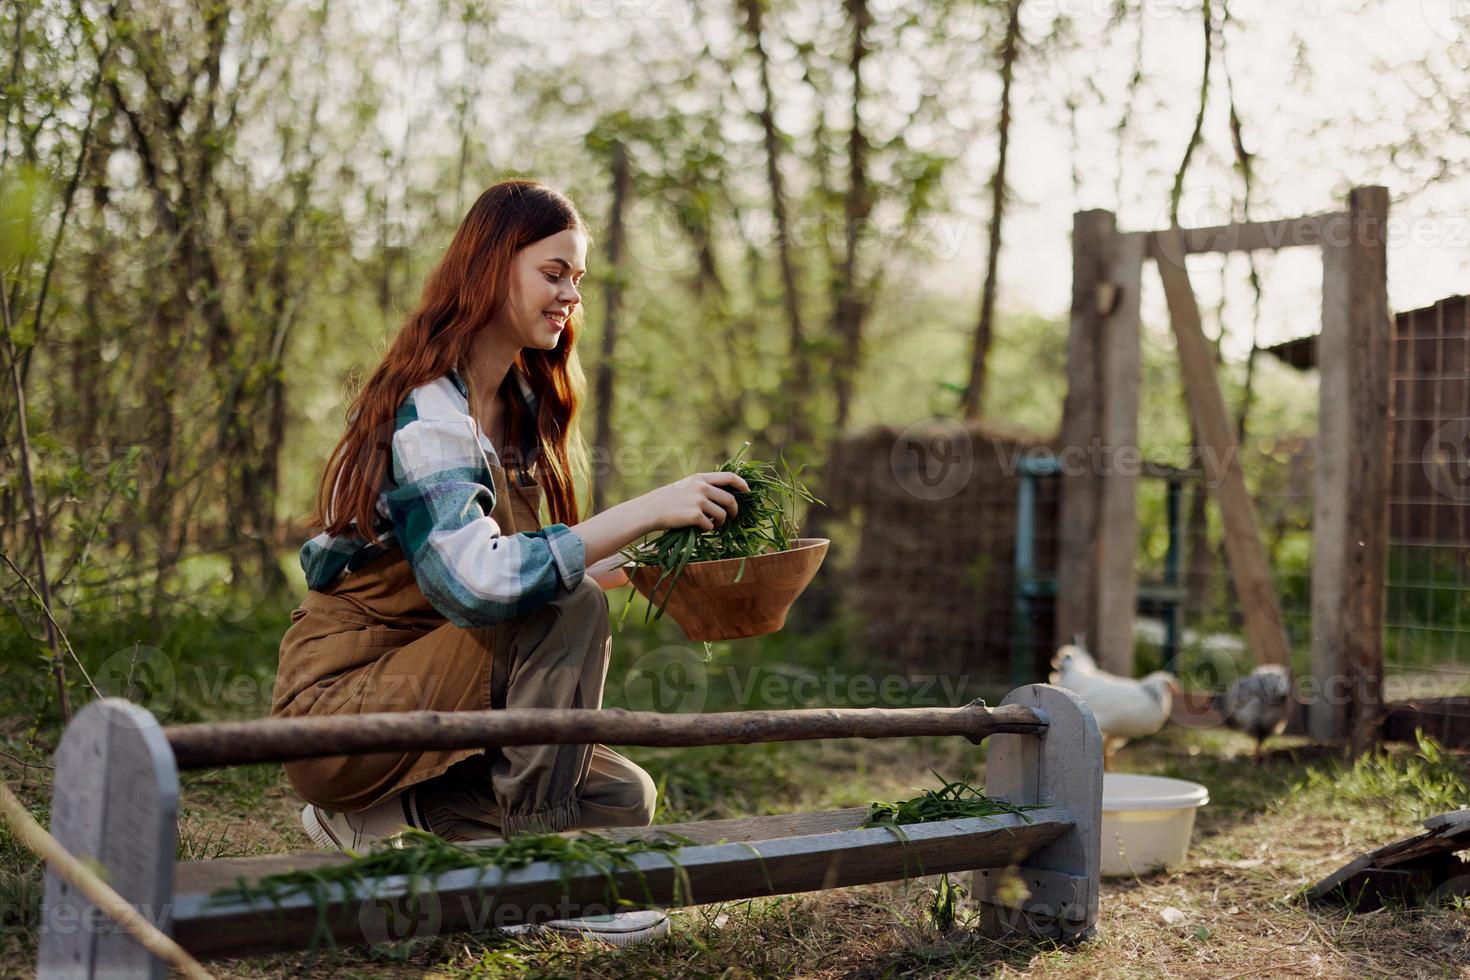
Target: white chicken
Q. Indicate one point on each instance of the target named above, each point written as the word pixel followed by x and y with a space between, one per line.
pixel 1257 704
pixel 1125 708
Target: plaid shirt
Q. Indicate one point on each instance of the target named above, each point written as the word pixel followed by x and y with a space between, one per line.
pixel 437 506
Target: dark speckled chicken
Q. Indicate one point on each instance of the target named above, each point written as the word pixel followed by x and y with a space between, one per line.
pixel 1257 704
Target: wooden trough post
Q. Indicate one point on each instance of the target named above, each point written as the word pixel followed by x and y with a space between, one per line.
pixel 1057 896
pixel 114 801
pixel 1350 517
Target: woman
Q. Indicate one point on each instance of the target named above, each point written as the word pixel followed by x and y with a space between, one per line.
pixel 462 600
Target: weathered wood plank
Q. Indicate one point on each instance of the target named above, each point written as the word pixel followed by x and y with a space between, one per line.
pixel 1455 823
pixel 1370 333
pixel 472 899
pixel 283 739
pixel 205 876
pixel 1412 869
pixel 1245 236
pixel 1243 549
pixel 78 804
pixel 1327 715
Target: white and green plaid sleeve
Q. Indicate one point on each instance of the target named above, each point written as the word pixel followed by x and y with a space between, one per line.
pixel 440 505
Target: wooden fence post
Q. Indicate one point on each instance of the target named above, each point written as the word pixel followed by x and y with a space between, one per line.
pixel 1076 611
pixel 1350 517
pixel 115 802
pixel 1117 532
pixel 1097 581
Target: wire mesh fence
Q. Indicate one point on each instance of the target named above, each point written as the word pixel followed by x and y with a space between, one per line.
pixel 961 577
pixel 946 549
pixel 1427 647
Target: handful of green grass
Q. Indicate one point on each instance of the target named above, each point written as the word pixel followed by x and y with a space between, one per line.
pixel 951 802
pixel 765 521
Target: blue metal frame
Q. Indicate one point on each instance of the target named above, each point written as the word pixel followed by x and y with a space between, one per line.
pixel 1031 587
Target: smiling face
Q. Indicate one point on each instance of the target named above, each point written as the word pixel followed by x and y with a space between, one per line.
pixel 543 289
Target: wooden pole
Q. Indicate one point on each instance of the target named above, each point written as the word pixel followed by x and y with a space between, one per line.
pixel 200 746
pixel 1121 358
pixel 1097 569
pixel 1350 517
pixel 1243 549
pixel 1093 235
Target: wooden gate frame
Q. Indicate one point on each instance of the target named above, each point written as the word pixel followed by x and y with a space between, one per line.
pixel 1096 576
pixel 115 803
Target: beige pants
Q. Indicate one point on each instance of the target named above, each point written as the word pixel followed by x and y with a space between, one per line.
pixel 374 644
pixel 557 657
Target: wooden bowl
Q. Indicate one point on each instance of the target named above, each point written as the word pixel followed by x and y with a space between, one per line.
pixel 708 604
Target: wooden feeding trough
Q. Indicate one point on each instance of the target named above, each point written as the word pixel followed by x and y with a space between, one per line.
pixel 116 800
pixel 709 603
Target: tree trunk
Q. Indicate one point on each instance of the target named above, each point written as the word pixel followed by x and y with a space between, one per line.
pixel 799 385
pixel 973 403
pixel 1201 557
pixel 28 486
pixel 851 307
pixel 602 439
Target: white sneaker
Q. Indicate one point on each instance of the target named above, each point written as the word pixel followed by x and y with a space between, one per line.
pixel 617 928
pixel 357 829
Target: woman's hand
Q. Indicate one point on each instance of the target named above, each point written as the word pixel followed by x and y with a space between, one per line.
pixel 702 500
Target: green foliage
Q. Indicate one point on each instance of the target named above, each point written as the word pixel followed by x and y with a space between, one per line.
pixel 1414 786
pixel 945 904
pixel 212 661
pixel 25 197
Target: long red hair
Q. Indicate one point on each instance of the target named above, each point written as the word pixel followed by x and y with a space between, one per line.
pixel 461 295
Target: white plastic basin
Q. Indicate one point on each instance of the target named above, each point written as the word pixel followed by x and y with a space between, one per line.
pixel 1146 822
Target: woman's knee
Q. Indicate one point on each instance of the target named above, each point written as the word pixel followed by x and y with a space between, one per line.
pixel 642 798
pixel 584 617
pixel 638 804
pixel 586 600
pixel 626 798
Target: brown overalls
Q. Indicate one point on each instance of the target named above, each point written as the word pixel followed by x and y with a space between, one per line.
pixel 373 642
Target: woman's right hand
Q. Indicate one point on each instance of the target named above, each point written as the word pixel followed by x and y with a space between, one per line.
pixel 702 500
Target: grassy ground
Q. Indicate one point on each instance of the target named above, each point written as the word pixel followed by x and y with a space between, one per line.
pixel 1233 910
